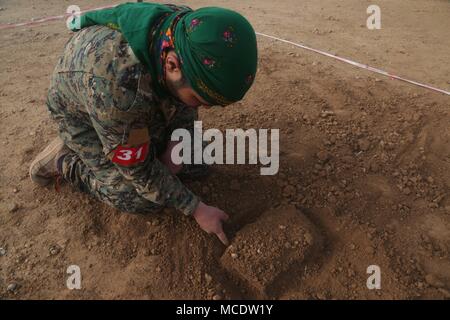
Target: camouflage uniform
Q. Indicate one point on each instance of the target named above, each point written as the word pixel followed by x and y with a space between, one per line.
pixel 99 95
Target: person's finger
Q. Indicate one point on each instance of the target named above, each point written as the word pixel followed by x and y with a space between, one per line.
pixel 223 238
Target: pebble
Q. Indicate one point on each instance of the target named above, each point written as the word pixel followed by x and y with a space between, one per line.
pixel 12 287
pixel 54 250
pixel 208 279
pixel 234 255
pixel 13 207
pixel 321 296
pixel 217 297
pixel 309 238
pixel 2 252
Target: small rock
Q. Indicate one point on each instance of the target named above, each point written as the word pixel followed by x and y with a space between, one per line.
pixel 217 297
pixel 2 252
pixel 208 279
pixel 54 250
pixel 13 207
pixel 234 255
pixel 352 246
pixel 309 238
pixel 321 296
pixel 12 287
pixel 15 190
pixel 326 113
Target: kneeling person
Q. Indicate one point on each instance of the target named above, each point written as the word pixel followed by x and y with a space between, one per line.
pixel 128 78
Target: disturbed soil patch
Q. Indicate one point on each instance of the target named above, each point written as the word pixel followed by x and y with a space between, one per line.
pixel 364 159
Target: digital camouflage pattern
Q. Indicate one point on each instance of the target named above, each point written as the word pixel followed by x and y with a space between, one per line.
pixel 99 94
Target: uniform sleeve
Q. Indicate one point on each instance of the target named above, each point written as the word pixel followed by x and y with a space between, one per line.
pixel 115 116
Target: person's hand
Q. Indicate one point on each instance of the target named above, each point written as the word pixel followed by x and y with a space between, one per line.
pixel 166 158
pixel 210 220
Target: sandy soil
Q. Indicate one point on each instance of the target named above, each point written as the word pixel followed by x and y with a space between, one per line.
pixel 364 159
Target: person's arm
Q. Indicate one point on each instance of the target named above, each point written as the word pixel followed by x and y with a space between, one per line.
pixel 123 132
pixel 121 123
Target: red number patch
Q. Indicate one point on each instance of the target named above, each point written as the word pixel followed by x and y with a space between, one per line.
pixel 127 156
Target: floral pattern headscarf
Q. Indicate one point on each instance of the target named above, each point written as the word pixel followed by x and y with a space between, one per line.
pixel 216 46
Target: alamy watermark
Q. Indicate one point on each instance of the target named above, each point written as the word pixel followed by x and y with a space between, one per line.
pixel 236 142
pixel 73 22
pixel 374 280
pixel 74 279
pixel 374 20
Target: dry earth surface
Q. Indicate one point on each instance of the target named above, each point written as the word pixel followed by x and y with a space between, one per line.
pixel 364 169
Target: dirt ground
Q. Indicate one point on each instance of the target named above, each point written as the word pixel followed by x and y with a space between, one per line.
pixel 366 159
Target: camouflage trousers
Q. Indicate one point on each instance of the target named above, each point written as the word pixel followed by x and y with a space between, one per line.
pixel 89 170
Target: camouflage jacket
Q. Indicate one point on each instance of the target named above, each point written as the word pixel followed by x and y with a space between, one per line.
pixel 115 97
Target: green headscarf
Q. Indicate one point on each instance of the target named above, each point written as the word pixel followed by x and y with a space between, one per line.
pixel 216 46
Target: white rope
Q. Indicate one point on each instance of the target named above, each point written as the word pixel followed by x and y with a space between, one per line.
pixel 356 64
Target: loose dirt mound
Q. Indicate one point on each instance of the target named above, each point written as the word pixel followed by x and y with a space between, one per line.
pixel 265 251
